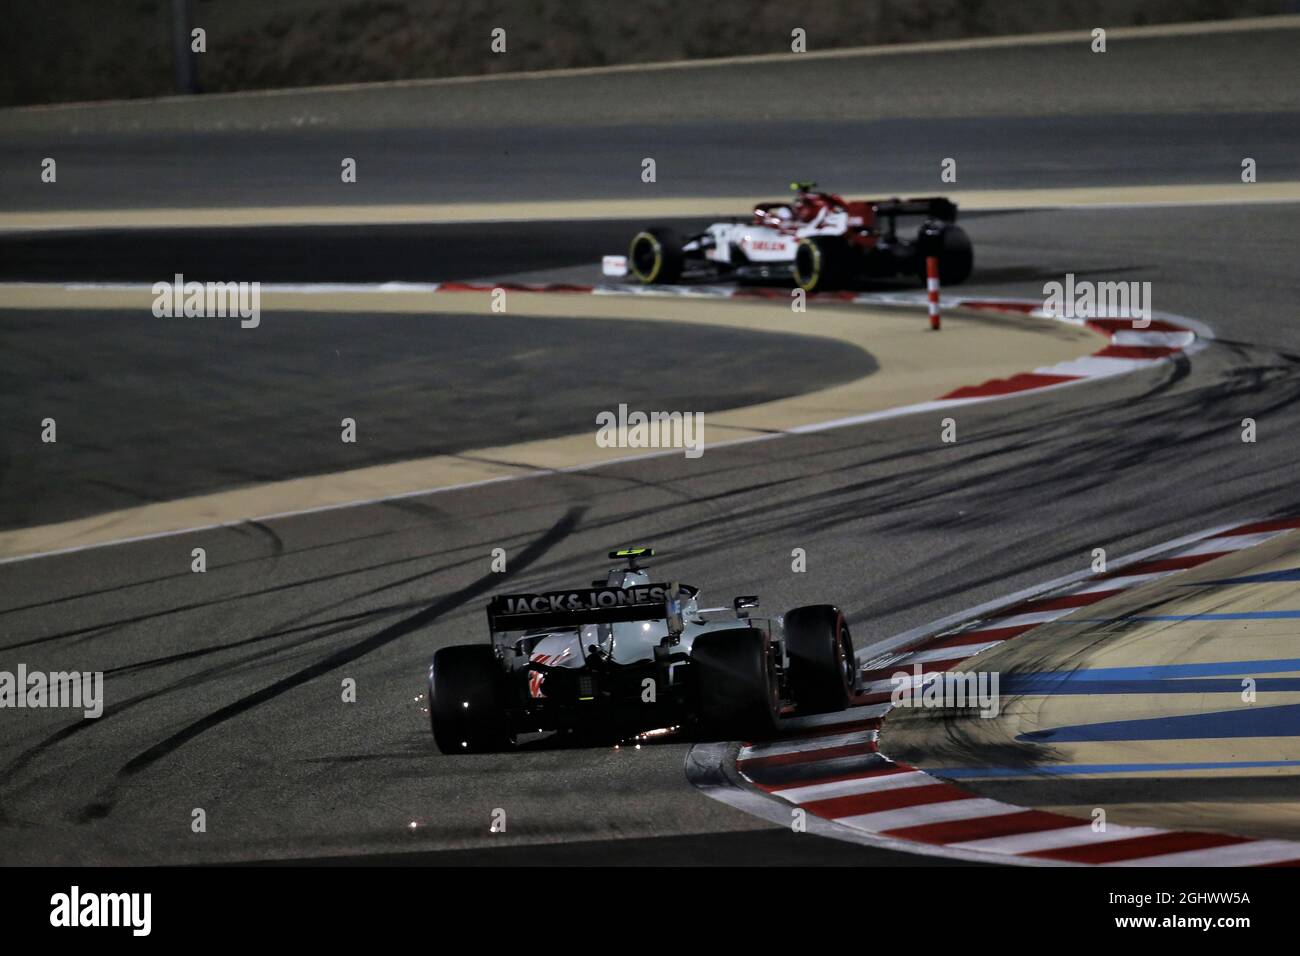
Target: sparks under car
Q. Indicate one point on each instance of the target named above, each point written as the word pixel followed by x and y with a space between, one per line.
pixel 818 239
pixel 630 655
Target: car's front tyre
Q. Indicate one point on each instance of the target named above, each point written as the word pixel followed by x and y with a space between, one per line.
pixel 823 670
pixel 655 256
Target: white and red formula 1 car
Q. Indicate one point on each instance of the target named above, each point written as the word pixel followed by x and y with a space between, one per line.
pixel 819 239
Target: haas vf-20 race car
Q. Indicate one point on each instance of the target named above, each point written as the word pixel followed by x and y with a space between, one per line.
pixel 629 656
pixel 819 239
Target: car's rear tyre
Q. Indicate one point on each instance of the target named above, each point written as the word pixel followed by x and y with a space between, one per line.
pixel 955 253
pixel 822 263
pixel 739 695
pixel 823 671
pixel 655 256
pixel 466 701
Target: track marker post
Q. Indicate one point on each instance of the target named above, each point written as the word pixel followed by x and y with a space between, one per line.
pixel 932 289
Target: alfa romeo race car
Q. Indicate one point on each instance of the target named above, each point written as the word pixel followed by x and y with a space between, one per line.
pixel 819 239
pixel 628 656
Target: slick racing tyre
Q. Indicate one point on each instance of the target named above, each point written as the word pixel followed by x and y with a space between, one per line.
pixel 739 697
pixel 465 701
pixel 956 256
pixel 821 263
pixel 823 671
pixel 655 256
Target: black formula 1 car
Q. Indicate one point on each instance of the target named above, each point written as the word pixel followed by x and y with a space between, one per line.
pixel 630 656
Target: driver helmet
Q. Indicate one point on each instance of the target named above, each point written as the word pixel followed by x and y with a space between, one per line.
pixel 805 207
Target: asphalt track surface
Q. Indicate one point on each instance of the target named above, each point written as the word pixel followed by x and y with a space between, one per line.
pixel 140 402
pixel 1150 110
pixel 225 687
pixel 227 684
pixel 693 158
pixel 354 253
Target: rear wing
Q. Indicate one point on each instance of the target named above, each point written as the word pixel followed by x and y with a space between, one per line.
pixel 567 609
pixel 935 207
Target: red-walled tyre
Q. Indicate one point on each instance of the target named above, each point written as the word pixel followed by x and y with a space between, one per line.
pixel 823 671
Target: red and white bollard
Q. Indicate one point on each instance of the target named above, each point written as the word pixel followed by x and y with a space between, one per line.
pixel 932 289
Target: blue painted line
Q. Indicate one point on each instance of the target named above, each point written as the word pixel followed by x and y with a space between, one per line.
pixel 1248 720
pixel 1286 574
pixel 1160 671
pixel 1068 770
pixel 1234 616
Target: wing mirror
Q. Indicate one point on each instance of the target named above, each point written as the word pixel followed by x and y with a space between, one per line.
pixel 743 604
